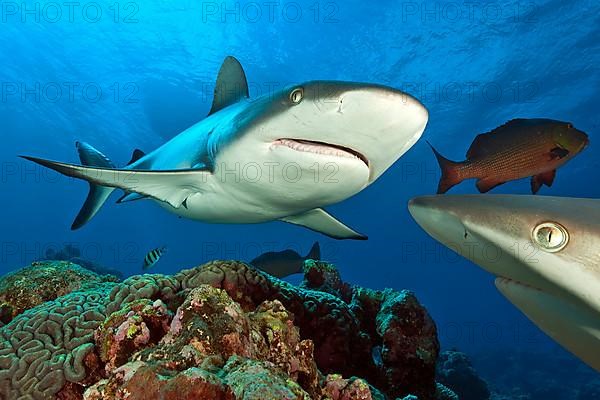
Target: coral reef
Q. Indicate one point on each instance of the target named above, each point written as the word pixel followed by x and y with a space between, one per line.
pixel 325 277
pixel 51 345
pixel 444 393
pixel 222 331
pixel 42 282
pixel 137 325
pixel 456 372
pixel 401 328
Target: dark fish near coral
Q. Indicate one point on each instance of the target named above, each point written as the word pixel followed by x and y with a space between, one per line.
pixel 518 149
pixel 153 257
pixel 284 263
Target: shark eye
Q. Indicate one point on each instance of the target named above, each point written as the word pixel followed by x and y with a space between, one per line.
pixel 550 236
pixel 296 95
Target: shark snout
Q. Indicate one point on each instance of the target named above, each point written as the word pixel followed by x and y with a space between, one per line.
pixel 483 229
pixel 438 221
pixel 379 122
pixel 402 105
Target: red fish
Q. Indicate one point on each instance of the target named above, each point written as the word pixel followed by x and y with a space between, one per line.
pixel 518 149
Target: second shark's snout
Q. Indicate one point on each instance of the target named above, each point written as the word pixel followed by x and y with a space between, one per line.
pixel 484 230
pixel 438 222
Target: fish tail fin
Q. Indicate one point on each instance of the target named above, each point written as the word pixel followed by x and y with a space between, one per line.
pixel 449 176
pixel 315 252
pixel 97 195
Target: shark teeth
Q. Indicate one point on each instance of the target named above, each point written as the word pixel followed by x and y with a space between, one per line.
pixel 309 146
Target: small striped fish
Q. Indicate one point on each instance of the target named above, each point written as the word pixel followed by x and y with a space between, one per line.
pixel 153 257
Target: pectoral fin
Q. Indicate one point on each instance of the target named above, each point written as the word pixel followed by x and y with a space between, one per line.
pixel 129 197
pixel 558 153
pixel 172 187
pixel 546 178
pixel 320 221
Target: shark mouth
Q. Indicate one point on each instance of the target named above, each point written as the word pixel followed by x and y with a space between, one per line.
pixel 310 146
pixel 508 281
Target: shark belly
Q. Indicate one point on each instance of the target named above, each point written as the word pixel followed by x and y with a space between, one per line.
pixel 270 185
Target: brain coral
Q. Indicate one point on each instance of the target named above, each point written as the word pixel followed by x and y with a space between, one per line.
pixel 216 329
pixel 45 347
pixel 43 281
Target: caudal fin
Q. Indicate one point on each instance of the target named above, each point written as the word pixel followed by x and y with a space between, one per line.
pixel 449 175
pixel 315 252
pixel 97 195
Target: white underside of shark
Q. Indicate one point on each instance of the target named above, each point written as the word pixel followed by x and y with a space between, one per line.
pixel 545 252
pixel 281 156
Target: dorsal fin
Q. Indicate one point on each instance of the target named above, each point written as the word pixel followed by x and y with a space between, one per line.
pixel 231 86
pixel 137 154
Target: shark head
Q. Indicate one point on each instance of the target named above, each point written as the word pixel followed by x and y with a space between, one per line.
pixel 543 251
pixel 321 140
pixel 370 125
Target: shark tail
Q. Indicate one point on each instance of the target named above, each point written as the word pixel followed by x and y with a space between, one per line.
pixel 97 195
pixel 450 175
pixel 315 252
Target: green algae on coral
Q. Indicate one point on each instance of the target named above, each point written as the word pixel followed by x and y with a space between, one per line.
pixel 41 282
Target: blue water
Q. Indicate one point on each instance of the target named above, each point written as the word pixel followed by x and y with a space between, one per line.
pixel 134 74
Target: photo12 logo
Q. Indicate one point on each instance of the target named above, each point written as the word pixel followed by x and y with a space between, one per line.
pixel 68 92
pixel 469 11
pixel 472 92
pixel 270 11
pixel 69 12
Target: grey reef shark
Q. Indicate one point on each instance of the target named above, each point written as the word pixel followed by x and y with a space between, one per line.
pixel 544 251
pixel 278 157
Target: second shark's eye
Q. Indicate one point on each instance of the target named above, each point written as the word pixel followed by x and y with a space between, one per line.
pixel 296 95
pixel 550 236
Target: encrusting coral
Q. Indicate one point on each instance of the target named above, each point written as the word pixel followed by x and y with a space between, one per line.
pixel 41 282
pixel 223 330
